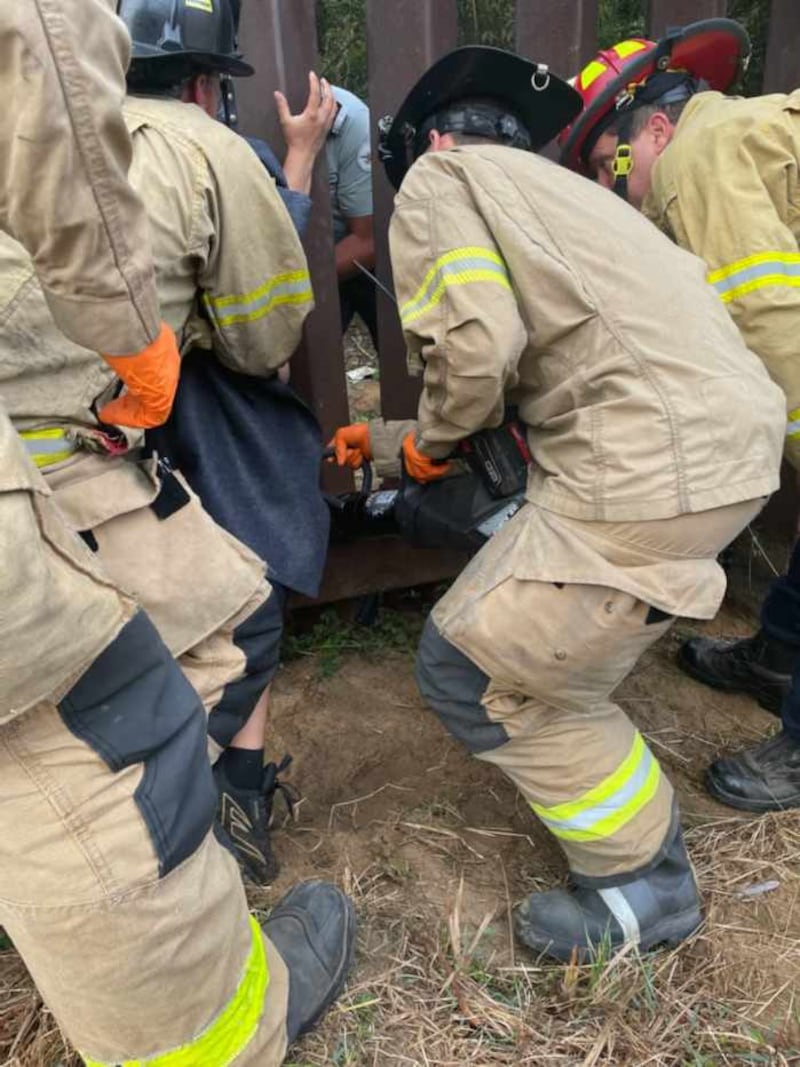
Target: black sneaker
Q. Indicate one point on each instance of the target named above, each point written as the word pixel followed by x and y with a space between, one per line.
pixel 244 817
pixel 756 665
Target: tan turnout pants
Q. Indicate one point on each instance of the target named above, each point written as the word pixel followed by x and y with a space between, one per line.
pixel 130 917
pixel 523 671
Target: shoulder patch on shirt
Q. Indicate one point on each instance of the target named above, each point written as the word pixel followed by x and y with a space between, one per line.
pixel 365 156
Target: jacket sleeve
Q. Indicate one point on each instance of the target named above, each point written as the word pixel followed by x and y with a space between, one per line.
pixel 63 170
pixel 297 204
pixel 731 208
pixel 460 316
pixel 387 441
pixel 255 281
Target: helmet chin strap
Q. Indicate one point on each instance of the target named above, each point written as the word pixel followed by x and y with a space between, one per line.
pixel 228 107
pixel 622 164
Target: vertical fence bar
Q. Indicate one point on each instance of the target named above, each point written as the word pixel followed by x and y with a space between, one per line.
pixel 403 38
pixel 662 14
pixel 782 63
pixel 563 34
pixel 279 38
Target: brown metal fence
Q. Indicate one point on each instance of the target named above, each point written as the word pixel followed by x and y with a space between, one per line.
pixel 403 38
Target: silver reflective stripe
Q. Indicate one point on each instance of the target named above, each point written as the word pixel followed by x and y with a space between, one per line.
pixel 767 269
pixel 456 267
pixel 623 797
pixel 48 446
pixel 619 907
pixel 277 292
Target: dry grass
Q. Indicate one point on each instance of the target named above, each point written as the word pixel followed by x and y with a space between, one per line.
pixel 433 990
pixel 429 993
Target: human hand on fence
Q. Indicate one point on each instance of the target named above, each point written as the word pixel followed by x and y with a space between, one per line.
pixel 305 133
pixel 352 445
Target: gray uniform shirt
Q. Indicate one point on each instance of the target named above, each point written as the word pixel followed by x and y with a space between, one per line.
pixel 349 162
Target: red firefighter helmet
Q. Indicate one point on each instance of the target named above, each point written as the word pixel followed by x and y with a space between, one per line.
pixel 712 54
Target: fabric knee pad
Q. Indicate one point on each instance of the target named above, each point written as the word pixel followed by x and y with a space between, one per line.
pixel 134 705
pixel 454 688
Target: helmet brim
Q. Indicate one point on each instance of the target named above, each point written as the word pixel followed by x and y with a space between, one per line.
pixel 143 55
pixel 543 103
pixel 714 50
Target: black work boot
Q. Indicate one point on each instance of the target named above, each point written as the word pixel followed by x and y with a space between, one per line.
pixel 764 778
pixel 661 906
pixel 244 817
pixel 314 930
pixel 759 666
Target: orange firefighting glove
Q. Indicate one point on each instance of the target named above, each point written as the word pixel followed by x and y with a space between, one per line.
pixel 421 467
pixel 152 379
pixel 352 445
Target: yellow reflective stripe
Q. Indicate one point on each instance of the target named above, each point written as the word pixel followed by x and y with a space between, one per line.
pixel 591 72
pixel 759 271
pixel 231 1032
pixel 48 445
pixel 48 459
pixel 793 424
pixel 610 805
pixel 51 433
pixel 292 287
pixel 461 266
pixel 628 48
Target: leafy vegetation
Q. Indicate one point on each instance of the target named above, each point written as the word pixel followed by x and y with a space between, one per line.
pixel 333 635
pixel 343 45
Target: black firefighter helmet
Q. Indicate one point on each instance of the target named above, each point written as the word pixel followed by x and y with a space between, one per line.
pixel 174 38
pixel 480 91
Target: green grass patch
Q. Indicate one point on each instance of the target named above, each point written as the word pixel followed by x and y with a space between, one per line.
pixel 332 637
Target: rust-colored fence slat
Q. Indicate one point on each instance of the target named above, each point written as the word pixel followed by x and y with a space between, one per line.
pixel 279 38
pixel 782 63
pixel 563 34
pixel 662 14
pixel 403 37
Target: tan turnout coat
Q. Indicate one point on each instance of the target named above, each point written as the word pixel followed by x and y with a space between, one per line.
pixel 64 153
pixel 727 188
pixel 222 242
pixel 523 283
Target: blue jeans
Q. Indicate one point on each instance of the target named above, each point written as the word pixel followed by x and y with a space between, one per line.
pixel 780 620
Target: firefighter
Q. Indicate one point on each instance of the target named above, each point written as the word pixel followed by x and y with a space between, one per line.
pixel 113 886
pixel 655 438
pixel 236 427
pixel 715 174
pixel 233 279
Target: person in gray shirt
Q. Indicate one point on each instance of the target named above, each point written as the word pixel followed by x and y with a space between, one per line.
pixel 350 176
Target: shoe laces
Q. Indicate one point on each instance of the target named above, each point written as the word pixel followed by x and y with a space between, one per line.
pixel 272 784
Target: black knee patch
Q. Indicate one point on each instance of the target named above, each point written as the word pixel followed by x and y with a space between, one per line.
pixel 454 688
pixel 134 705
pixel 259 637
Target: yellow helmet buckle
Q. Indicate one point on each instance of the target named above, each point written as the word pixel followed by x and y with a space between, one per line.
pixel 622 163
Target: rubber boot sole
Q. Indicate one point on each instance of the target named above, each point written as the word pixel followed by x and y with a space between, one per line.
pixel 772 704
pixel 671 931
pixel 734 800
